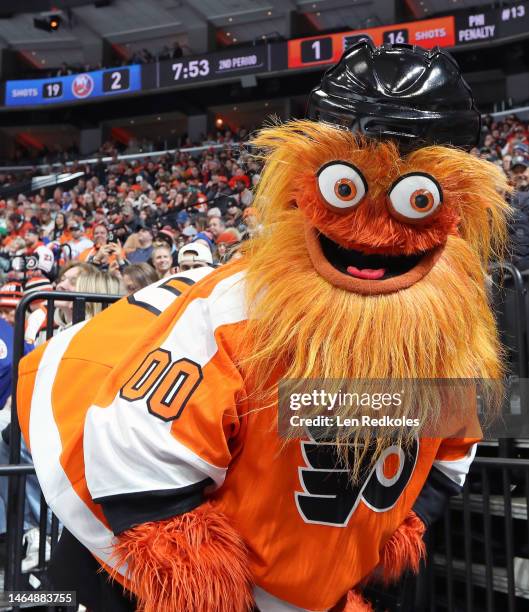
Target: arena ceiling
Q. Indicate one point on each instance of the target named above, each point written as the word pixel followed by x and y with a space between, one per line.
pixel 130 25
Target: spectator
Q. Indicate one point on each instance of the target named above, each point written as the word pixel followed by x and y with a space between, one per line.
pixel 6 362
pixel 35 247
pixel 251 221
pixel 106 256
pixel 10 296
pixel 93 280
pixel 78 242
pixel 226 243
pixel 215 227
pixel 59 227
pixel 67 281
pixel 194 255
pixel 162 260
pixel 16 227
pixel 36 322
pixel 47 224
pixel 519 172
pixel 143 252
pixel 243 196
pixel 137 276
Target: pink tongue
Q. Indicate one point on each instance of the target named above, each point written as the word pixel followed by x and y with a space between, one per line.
pixel 366 273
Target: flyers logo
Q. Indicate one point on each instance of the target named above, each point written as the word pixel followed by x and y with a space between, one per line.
pixel 329 497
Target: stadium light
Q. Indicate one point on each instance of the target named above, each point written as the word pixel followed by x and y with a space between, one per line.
pixel 49 22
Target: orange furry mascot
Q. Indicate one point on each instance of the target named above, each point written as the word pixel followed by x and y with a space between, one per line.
pixel 161 454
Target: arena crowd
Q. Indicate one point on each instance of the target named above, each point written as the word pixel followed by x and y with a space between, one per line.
pixel 140 220
pixel 135 221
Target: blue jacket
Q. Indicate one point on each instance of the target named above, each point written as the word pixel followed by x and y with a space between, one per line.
pixel 6 360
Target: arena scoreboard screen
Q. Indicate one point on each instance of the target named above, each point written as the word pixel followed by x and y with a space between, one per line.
pixel 464 28
pixel 476 26
pixel 303 52
pixel 496 23
pixel 210 67
pixel 75 87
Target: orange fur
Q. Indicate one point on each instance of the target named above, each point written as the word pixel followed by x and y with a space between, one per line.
pixel 404 550
pixel 195 562
pixel 474 203
pixel 417 333
pixel 356 603
pixel 304 327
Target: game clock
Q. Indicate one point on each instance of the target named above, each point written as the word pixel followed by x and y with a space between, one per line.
pixel 190 70
pixel 212 66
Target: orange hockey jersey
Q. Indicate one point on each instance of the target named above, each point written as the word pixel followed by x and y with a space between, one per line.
pixel 141 414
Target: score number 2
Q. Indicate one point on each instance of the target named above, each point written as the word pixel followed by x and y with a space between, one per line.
pixel 116 80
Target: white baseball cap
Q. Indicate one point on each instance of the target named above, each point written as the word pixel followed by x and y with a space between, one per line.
pixel 195 252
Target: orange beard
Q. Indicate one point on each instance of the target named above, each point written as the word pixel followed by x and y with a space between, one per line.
pixel 441 327
pixel 305 326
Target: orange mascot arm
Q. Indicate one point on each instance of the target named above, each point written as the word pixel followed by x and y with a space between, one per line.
pixel 195 562
pixel 405 549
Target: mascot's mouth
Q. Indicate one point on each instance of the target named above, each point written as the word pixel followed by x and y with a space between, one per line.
pixel 368 267
pixel 357 272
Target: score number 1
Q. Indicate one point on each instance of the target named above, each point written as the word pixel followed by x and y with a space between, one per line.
pixel 316 50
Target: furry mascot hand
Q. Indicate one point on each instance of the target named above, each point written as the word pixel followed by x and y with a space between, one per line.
pixel 404 550
pixel 401 553
pixel 195 562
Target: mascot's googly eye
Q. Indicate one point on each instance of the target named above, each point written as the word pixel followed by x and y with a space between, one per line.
pixel 415 196
pixel 341 185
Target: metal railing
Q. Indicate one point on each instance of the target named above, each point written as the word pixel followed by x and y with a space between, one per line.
pixel 15 471
pixel 479 552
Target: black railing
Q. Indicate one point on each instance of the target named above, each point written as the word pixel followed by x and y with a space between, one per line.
pixel 17 473
pixel 479 552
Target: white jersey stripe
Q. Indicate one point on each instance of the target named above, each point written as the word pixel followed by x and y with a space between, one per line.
pixel 457 470
pixel 160 298
pixel 46 449
pixel 129 451
pixel 268 603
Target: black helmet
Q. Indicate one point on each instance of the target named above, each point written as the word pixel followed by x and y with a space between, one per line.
pixel 414 96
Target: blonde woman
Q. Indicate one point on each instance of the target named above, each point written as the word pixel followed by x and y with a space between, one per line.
pixel 97 282
pixel 67 281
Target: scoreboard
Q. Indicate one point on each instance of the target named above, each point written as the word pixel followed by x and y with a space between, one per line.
pixel 495 23
pixel 72 88
pixel 207 67
pixel 316 50
pixel 472 27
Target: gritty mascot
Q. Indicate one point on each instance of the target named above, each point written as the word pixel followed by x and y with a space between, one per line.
pixel 153 427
